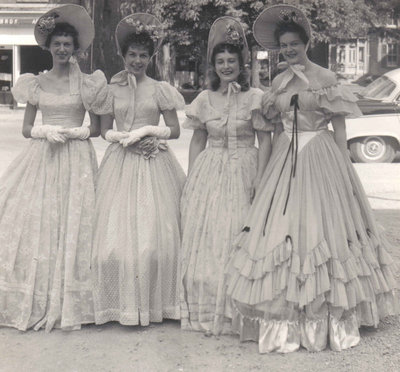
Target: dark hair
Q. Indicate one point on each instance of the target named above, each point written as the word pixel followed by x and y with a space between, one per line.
pixel 143 39
pixel 242 79
pixel 63 29
pixel 284 27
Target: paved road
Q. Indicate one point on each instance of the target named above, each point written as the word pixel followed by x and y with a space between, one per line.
pixel 381 181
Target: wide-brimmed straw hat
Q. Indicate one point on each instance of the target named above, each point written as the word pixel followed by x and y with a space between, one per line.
pixel 139 23
pixel 75 15
pixel 265 25
pixel 227 30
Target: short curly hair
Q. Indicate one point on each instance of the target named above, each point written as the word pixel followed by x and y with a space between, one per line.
pixel 284 27
pixel 63 29
pixel 242 80
pixel 142 39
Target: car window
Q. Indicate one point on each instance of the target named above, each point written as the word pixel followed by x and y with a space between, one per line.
pixel 380 88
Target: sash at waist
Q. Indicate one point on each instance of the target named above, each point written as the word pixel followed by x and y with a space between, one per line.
pixel 218 143
pixel 148 147
pixel 304 136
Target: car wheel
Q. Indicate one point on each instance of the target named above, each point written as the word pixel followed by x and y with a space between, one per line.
pixel 372 149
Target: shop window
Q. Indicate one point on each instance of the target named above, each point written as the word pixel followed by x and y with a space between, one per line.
pixel 352 55
pixel 5 76
pixel 342 55
pixel 5 69
pixel 361 54
pixel 392 55
pixel 34 59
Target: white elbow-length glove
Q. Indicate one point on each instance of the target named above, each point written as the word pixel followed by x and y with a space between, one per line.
pixel 81 133
pixel 148 130
pixel 50 132
pixel 115 136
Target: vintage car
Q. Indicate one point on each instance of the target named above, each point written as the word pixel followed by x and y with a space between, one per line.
pixel 375 136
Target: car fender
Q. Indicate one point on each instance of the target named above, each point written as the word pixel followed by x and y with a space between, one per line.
pixel 373 125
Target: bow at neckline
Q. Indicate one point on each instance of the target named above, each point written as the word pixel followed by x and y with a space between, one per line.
pixel 126 78
pixel 229 116
pixel 293 71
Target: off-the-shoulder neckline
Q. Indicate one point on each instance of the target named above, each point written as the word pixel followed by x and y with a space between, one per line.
pixel 309 89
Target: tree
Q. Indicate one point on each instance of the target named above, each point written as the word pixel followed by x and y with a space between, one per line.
pixel 107 14
pixel 188 22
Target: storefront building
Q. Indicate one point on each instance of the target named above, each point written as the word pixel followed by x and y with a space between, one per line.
pixel 19 52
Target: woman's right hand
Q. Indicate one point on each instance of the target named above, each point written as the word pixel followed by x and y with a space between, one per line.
pixel 115 136
pixel 50 132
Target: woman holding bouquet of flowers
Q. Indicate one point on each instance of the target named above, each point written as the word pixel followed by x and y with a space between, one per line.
pixel 136 245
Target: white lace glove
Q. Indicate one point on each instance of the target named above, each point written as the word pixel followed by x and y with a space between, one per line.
pixel 50 132
pixel 81 133
pixel 148 130
pixel 115 136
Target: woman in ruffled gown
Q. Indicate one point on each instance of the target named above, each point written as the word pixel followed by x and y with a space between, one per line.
pixel 136 246
pixel 311 264
pixel 47 194
pixel 222 177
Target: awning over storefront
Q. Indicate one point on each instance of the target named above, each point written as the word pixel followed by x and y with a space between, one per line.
pixel 17 22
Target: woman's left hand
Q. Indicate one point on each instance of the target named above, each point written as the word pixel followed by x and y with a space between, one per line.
pixel 130 140
pixel 81 133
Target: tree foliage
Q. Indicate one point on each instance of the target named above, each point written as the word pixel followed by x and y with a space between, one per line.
pixel 188 21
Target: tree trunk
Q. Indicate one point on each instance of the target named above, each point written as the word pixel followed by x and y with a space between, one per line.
pixel 166 64
pixel 106 16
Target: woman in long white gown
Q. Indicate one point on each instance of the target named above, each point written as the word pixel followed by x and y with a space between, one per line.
pixel 47 194
pixel 222 177
pixel 136 246
pixel 311 265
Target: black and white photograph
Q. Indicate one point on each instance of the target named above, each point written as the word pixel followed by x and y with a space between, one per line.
pixel 199 185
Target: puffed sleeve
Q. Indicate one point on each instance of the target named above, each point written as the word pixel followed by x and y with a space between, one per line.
pixel 95 93
pixel 26 89
pixel 196 112
pixel 258 120
pixel 338 100
pixel 168 97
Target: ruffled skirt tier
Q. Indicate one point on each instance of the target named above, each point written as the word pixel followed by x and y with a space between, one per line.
pixel 136 245
pixel 215 200
pixel 321 269
pixel 46 209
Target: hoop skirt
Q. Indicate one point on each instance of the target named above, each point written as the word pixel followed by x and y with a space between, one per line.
pixel 214 204
pixel 310 264
pixel 136 245
pixel 46 209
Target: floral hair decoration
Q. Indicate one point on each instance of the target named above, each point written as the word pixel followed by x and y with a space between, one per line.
pixel 152 30
pixel 268 20
pixel 227 30
pixel 232 36
pixel 46 25
pixel 288 16
pixel 139 23
pixel 74 15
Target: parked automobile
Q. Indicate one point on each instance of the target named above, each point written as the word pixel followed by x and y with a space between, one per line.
pixel 375 136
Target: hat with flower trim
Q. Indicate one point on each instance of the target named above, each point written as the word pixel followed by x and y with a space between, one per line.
pixel 75 15
pixel 227 30
pixel 139 23
pixel 266 23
